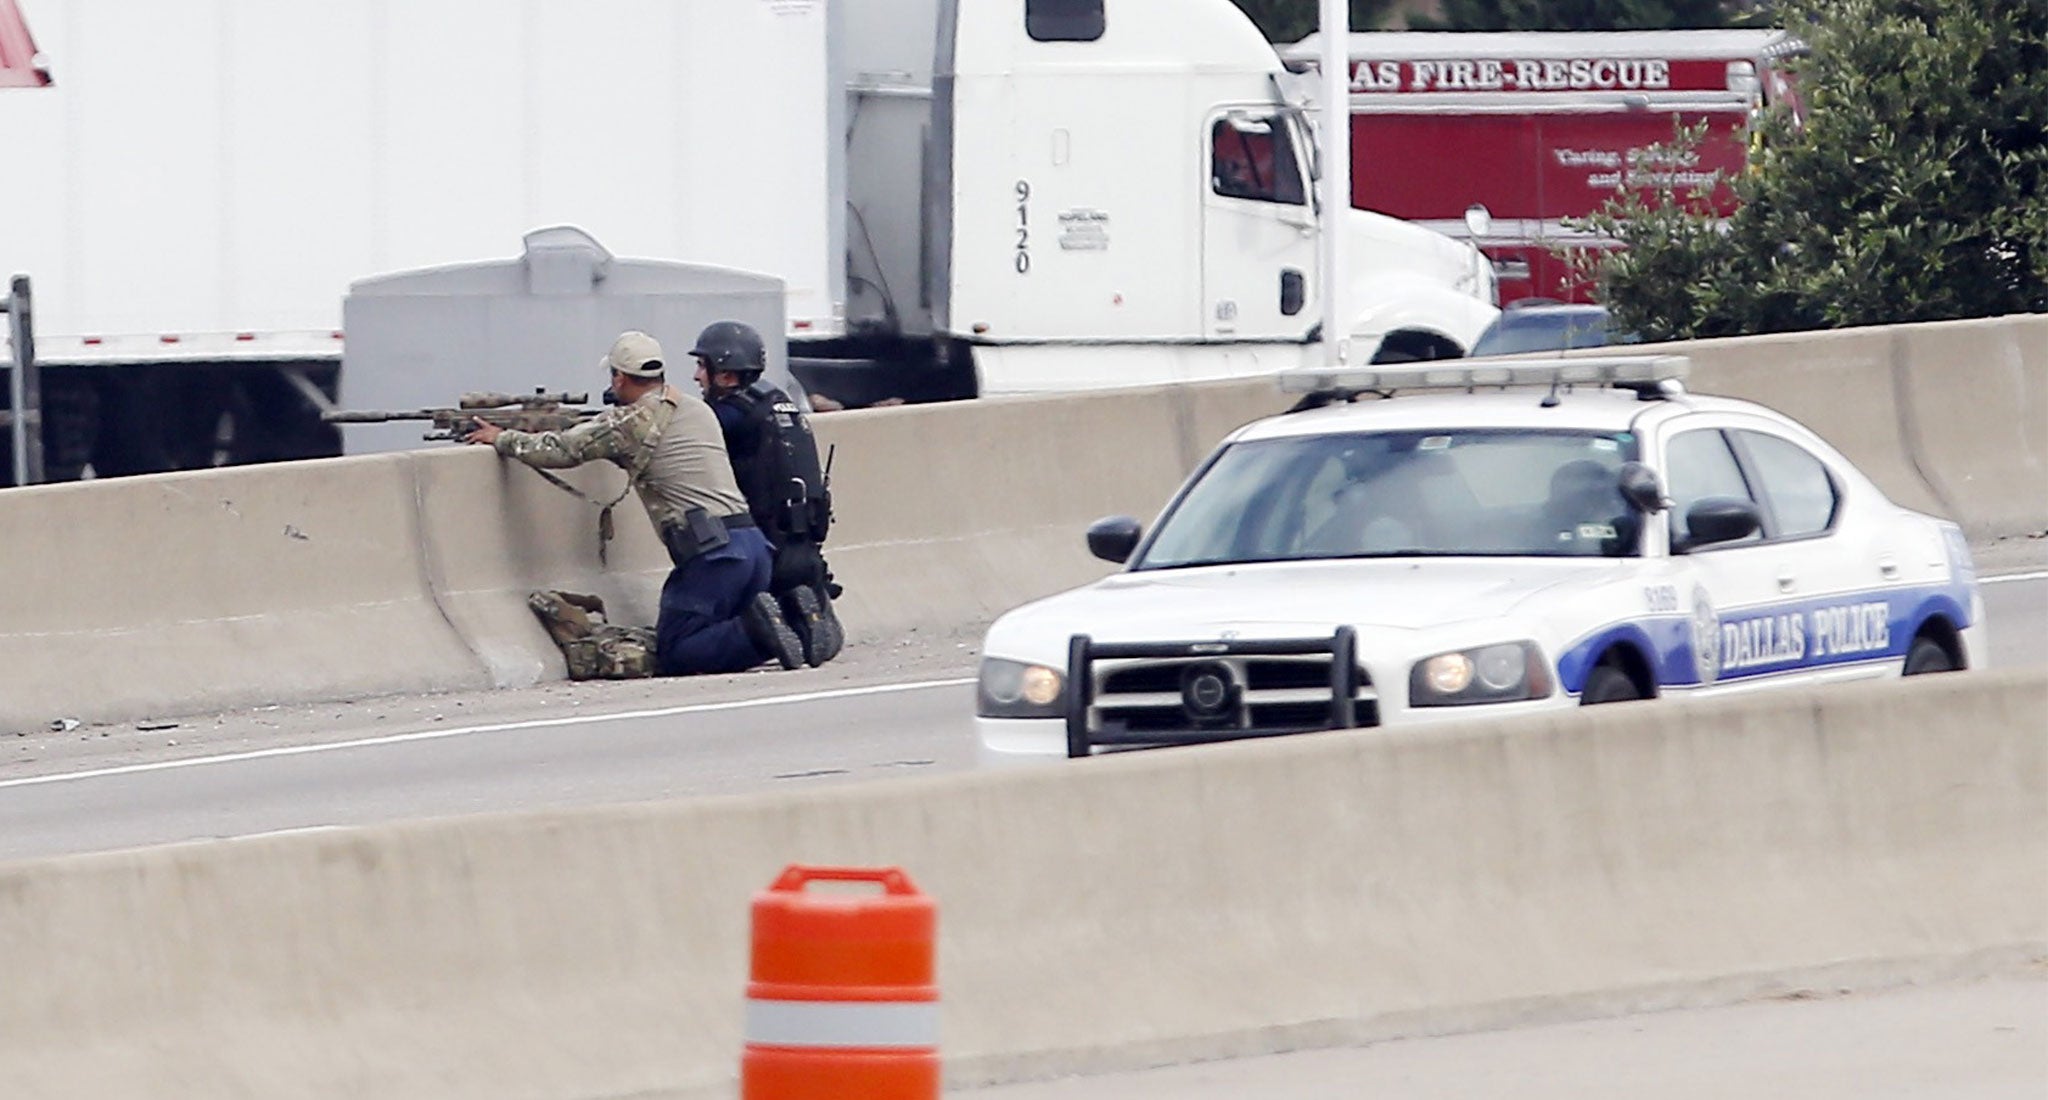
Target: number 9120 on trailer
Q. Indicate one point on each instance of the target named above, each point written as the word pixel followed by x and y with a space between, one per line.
pixel 1493 538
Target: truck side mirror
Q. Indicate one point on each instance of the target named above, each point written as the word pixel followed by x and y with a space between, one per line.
pixel 1113 538
pixel 1478 221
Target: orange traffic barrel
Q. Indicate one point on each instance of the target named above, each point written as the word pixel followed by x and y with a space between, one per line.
pixel 842 1000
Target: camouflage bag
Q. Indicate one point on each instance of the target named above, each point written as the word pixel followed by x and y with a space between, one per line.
pixel 581 657
pixel 624 652
pixel 591 647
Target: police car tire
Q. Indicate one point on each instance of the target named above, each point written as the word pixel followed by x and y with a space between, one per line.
pixel 1927 655
pixel 1608 684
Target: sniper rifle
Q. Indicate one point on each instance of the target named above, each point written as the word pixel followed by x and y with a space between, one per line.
pixel 539 411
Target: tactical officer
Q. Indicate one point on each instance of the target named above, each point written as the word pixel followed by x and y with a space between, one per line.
pixel 775 459
pixel 716 613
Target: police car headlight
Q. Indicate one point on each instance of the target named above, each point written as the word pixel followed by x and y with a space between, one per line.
pixel 1016 689
pixel 1487 674
pixel 1447 673
pixel 1501 667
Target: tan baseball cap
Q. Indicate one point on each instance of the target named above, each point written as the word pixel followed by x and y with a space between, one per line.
pixel 634 353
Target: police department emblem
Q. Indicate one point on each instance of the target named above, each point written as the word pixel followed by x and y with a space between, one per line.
pixel 1706 637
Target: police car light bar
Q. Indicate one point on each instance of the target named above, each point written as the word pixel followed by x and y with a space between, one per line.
pixel 1462 374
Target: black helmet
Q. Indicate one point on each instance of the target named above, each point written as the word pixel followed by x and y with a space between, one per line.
pixel 731 346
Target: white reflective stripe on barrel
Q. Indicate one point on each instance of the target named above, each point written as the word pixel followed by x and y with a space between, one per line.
pixel 843 1023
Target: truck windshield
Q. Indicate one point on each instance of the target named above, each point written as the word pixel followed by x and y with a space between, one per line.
pixel 1448 492
pixel 1253 158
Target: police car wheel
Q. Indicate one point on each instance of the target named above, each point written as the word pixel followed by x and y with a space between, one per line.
pixel 1608 684
pixel 1927 655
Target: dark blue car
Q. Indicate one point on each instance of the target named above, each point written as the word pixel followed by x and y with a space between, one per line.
pixel 1542 325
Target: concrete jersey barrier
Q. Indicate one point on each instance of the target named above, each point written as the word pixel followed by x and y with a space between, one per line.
pixel 1948 417
pixel 311 581
pixel 180 592
pixel 1978 394
pixel 951 514
pixel 298 582
pixel 1106 913
pixel 492 531
pixel 1840 383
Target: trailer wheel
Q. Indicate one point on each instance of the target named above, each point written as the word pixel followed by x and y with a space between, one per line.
pixel 130 439
pixel 275 422
pixel 71 424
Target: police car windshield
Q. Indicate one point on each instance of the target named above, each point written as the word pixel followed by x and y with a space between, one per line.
pixel 1400 494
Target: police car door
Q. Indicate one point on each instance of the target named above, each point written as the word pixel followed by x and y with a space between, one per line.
pixel 1842 574
pixel 1750 597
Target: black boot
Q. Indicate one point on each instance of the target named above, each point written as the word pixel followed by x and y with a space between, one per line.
pixel 809 612
pixel 770 633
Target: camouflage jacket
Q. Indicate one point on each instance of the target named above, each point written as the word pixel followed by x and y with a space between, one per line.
pixel 668 442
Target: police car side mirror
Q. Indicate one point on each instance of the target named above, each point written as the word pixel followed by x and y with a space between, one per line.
pixel 1642 490
pixel 1720 519
pixel 1114 538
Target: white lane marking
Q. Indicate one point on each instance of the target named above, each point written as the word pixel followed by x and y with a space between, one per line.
pixel 2004 577
pixel 498 727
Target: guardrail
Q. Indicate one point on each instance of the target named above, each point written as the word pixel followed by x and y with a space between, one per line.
pixel 1203 902
pixel 308 581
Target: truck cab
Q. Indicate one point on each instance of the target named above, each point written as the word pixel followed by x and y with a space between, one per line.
pixel 1123 195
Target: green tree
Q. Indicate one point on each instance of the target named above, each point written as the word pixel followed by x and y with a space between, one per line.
pixel 1916 189
pixel 1293 20
pixel 1579 15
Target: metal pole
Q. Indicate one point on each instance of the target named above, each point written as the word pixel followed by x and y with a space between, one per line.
pixel 1335 185
pixel 25 389
pixel 17 399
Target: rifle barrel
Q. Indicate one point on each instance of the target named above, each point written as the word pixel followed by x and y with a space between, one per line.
pixel 379 416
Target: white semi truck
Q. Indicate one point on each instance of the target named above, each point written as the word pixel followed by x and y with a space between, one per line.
pixel 962 196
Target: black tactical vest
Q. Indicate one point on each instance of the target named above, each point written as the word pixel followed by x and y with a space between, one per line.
pixel 775 460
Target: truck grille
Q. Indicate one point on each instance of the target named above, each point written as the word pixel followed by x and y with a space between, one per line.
pixel 1127 695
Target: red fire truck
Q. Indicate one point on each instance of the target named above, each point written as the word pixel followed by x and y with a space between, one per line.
pixel 1537 127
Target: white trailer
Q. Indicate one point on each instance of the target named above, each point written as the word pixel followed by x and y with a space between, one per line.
pixel 987 196
pixel 230 167
pixel 209 178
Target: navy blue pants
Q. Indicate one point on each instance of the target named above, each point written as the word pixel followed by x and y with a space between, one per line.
pixel 699 628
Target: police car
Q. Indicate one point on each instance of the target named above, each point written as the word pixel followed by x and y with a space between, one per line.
pixel 1544 535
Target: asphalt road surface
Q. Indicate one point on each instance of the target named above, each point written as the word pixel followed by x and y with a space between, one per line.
pixel 743 738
